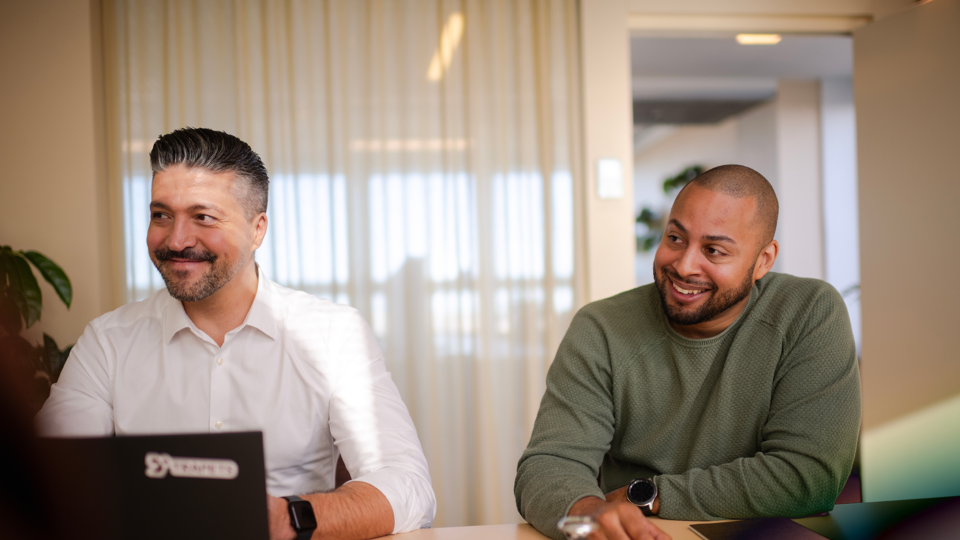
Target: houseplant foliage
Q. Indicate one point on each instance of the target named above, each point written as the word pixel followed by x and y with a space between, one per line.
pixel 652 220
pixel 21 303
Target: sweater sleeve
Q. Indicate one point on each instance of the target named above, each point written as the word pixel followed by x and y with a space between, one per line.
pixel 808 441
pixel 572 432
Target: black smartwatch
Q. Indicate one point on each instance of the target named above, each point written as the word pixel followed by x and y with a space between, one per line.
pixel 642 492
pixel 301 517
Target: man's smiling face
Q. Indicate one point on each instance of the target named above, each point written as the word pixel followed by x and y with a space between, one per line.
pixel 708 260
pixel 199 236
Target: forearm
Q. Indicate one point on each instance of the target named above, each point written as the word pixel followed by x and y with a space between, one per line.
pixel 760 486
pixel 355 511
pixel 547 486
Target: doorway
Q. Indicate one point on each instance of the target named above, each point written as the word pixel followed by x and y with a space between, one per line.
pixel 784 108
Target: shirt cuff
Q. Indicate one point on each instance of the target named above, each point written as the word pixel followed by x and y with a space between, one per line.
pixel 411 497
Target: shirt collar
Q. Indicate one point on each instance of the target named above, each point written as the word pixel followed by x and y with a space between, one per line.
pixel 266 308
pixel 174 317
pixel 263 313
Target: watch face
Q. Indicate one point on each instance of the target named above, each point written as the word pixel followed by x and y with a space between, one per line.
pixel 642 492
pixel 302 513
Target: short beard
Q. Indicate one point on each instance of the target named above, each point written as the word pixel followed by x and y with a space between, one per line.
pixel 212 281
pixel 713 307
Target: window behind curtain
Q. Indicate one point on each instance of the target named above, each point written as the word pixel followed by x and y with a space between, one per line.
pixel 424 160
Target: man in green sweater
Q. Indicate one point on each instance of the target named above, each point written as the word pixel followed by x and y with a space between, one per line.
pixel 720 391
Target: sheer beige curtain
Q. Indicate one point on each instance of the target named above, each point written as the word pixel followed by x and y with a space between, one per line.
pixel 424 160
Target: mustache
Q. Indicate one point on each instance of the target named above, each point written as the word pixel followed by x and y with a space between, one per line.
pixel 189 254
pixel 676 277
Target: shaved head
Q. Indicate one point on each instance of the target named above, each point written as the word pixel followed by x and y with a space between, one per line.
pixel 738 181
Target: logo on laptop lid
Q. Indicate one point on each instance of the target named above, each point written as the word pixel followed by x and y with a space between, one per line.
pixel 159 464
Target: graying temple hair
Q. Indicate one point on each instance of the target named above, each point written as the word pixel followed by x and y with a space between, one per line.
pixel 215 151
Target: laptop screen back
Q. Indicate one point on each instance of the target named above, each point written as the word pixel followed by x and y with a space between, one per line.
pixel 167 486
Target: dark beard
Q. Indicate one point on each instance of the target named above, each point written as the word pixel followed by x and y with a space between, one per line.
pixel 714 306
pixel 210 282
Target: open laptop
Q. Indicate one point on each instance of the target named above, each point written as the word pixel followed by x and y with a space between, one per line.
pixel 926 519
pixel 187 487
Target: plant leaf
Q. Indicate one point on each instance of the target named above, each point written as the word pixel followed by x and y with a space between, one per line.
pixel 3 268
pixel 10 319
pixel 22 281
pixel 11 284
pixel 55 376
pixel 54 275
pixel 64 354
pixel 16 296
pixel 51 353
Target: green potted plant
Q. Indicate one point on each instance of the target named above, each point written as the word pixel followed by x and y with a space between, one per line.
pixel 21 303
pixel 652 220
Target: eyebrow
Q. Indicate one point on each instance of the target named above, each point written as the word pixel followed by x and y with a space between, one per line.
pixel 718 238
pixel 162 206
pixel 708 237
pixel 677 224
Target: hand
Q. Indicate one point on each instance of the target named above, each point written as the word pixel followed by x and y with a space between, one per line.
pixel 278 519
pixel 618 520
pixel 620 495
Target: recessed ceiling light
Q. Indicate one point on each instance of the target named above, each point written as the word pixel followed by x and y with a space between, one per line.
pixel 758 39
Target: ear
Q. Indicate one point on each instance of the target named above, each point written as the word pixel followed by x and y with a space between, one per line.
pixel 260 222
pixel 765 259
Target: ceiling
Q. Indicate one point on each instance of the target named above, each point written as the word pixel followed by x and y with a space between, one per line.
pixel 705 68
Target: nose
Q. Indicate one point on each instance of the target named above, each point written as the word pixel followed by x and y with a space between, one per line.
pixel 689 263
pixel 181 235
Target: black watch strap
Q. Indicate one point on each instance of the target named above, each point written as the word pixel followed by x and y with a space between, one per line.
pixel 302 517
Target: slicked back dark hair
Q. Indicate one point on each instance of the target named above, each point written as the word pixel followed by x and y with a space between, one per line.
pixel 738 181
pixel 217 152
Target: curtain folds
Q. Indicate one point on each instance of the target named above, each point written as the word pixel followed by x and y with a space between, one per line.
pixel 425 168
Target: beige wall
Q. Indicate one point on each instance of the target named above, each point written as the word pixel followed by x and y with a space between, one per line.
pixel 681 17
pixel 836 8
pixel 53 185
pixel 607 126
pixel 905 87
pixel 757 136
pixel 800 226
pixel 905 84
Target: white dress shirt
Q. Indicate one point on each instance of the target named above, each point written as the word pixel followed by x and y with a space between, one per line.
pixel 306 372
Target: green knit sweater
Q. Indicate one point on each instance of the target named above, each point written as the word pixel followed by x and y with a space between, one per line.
pixel 761 420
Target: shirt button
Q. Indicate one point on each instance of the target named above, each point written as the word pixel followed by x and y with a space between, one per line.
pixel 218 425
pixel 219 361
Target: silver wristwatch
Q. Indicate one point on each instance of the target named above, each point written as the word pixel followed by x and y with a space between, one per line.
pixel 642 492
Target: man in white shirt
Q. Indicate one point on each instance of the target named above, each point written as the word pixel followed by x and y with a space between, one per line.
pixel 223 348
